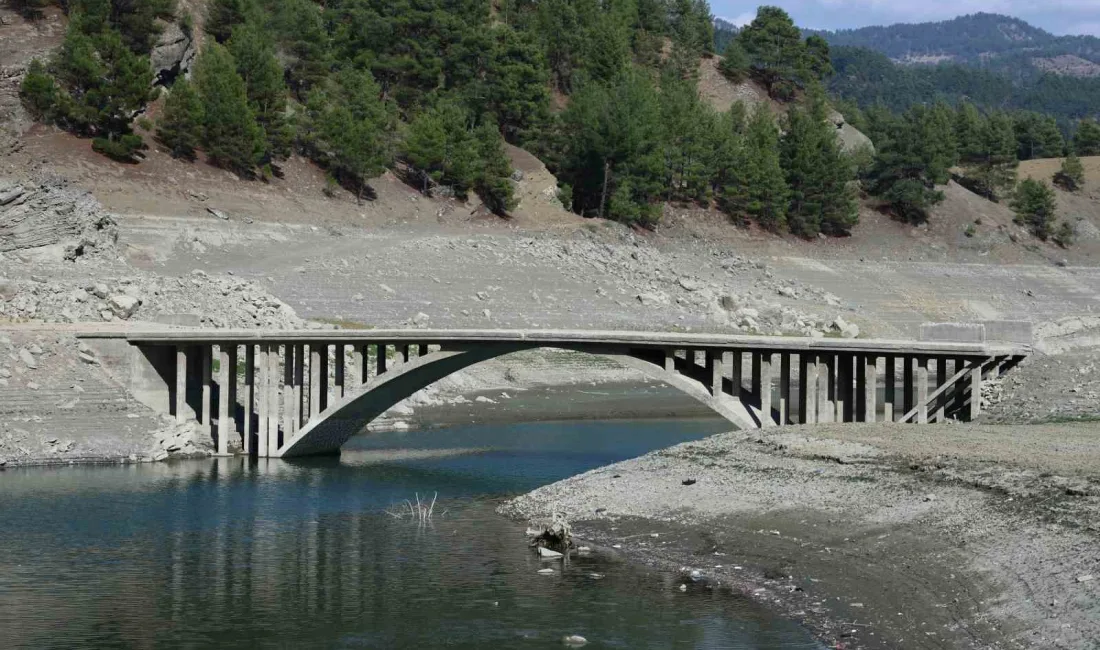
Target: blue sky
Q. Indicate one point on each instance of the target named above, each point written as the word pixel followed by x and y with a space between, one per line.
pixel 1057 16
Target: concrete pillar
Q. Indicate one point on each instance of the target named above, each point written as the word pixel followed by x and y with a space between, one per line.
pixel 845 408
pixel 726 364
pixel 715 371
pixel 224 375
pixel 249 398
pixel 766 389
pixel 233 379
pixel 940 414
pixel 262 369
pixel 338 389
pixel 890 381
pixel 870 395
pixel 207 389
pixel 357 368
pixel 784 388
pixel 804 408
pixel 670 360
pixel 754 373
pixel 860 394
pixel 907 385
pixel 826 387
pixel 922 390
pixel 315 379
pixel 324 378
pixel 403 354
pixel 273 400
pixel 960 391
pixel 290 361
pixel 976 390
pixel 181 384
pixel 737 360
pixel 380 359
pixel 296 393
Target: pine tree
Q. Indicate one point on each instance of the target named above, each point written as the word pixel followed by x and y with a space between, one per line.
pixel 1087 139
pixel 915 153
pixel 180 124
pixel 817 173
pixel 222 16
pixel 439 146
pixel 817 62
pixel 760 192
pixel 350 128
pixel 254 54
pixel 1071 177
pixel 735 63
pixel 688 140
pixel 728 150
pixel 38 92
pixel 775 49
pixel 1035 207
pixel 230 137
pixel 492 181
pixel 991 168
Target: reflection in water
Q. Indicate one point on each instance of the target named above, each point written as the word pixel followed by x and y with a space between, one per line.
pixel 238 553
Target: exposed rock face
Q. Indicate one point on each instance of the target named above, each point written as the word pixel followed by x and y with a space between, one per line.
pixel 172 55
pixel 851 138
pixel 48 212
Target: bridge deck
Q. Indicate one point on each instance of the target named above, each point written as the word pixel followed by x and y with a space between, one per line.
pixel 566 338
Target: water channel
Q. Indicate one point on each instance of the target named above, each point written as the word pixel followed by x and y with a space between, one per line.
pixel 237 554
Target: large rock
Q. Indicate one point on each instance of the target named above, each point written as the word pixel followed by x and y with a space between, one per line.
pixel 51 213
pixel 173 55
pixel 851 138
pixel 124 306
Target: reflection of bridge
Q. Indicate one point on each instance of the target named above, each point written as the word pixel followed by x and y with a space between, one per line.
pixel 295 393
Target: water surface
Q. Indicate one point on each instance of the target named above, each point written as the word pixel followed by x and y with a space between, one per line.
pixel 272 554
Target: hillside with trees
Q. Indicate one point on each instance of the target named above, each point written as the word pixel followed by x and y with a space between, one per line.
pixel 606 94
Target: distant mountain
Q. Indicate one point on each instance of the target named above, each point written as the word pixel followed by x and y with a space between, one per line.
pixel 990 41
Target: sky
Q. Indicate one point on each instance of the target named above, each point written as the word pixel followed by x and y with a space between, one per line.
pixel 1056 16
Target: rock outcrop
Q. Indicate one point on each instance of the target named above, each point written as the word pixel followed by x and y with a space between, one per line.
pixel 50 213
pixel 173 54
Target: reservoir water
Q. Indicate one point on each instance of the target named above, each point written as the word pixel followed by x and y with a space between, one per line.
pixel 234 553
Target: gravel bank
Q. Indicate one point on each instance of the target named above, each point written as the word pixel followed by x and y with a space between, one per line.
pixel 877 536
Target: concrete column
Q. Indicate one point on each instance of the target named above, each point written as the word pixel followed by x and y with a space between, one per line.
pixel 273 400
pixel 356 363
pixel 960 391
pixel 940 414
pixel 910 399
pixel 922 390
pixel 670 360
pixel 860 394
pixel 737 360
pixel 262 393
pixel 766 389
pixel 290 361
pixel 888 392
pixel 976 390
pixel 296 395
pixel 324 396
pixel 314 379
pixel 726 364
pixel 380 359
pixel 870 397
pixel 249 397
pixel 233 379
pixel 813 369
pixel 714 370
pixel 754 373
pixel 844 405
pixel 403 354
pixel 338 389
pixel 804 408
pixel 826 388
pixel 784 388
pixel 207 389
pixel 181 384
pixel 224 375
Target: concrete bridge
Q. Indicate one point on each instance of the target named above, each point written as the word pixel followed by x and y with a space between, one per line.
pixel 296 393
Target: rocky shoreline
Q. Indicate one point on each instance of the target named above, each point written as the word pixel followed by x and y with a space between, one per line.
pixel 873 536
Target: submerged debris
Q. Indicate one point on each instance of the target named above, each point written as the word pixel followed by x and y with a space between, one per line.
pixel 557 535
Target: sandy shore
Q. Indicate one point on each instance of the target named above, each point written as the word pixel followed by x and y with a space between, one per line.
pixel 876 536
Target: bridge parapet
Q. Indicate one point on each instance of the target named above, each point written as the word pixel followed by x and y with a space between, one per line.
pixel 291 393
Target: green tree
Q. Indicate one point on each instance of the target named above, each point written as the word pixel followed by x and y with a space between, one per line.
pixel 1064 235
pixel 180 125
pixel 1087 139
pixel 915 153
pixel 351 128
pixel 439 147
pixel 253 52
pixel 817 62
pixel 303 44
pixel 735 62
pixel 818 173
pixel 1071 176
pixel 492 180
pixel 38 92
pixel 688 140
pixel 230 136
pixel 759 191
pixel 728 151
pixel 1037 136
pixel 222 16
pixel 991 168
pixel 1035 207
pixel 775 49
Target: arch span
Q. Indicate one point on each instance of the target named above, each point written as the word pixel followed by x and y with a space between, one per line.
pixel 330 429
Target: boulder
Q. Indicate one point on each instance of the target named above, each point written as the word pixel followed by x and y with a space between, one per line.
pixel 173 55
pixel 8 289
pixel 124 306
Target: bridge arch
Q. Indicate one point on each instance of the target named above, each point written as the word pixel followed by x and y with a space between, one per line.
pixel 331 428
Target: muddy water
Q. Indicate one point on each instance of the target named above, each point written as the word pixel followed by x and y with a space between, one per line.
pixel 232 553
